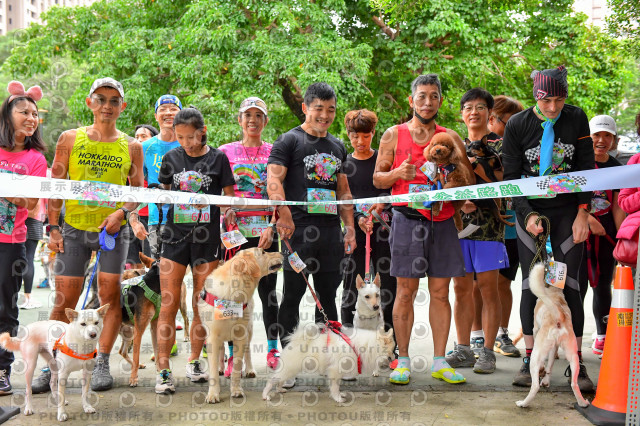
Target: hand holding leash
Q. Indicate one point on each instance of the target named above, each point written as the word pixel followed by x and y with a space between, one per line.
pixel 112 223
pixel 284 224
pixel 533 225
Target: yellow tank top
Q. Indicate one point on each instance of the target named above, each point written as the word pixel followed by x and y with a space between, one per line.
pixel 102 162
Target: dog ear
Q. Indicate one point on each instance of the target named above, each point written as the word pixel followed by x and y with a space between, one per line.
pixel 484 140
pixel 245 265
pixel 376 280
pixel 359 282
pixel 71 314
pixel 102 310
pixel 146 260
pixel 467 141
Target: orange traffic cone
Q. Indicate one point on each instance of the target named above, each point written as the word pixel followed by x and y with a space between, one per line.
pixel 610 405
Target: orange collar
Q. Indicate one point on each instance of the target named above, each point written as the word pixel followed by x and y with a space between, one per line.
pixel 62 347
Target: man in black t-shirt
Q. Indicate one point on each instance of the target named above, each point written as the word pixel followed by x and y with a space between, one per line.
pixel 306 165
pixel 550 138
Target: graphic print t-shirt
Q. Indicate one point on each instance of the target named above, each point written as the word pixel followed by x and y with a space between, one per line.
pixel 249 166
pixel 12 217
pixel 206 174
pixel 313 164
pixel 154 149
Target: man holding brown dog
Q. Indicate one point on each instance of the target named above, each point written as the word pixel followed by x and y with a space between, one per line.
pixel 420 244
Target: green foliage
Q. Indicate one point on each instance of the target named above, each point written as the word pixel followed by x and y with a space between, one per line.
pixel 624 23
pixel 214 53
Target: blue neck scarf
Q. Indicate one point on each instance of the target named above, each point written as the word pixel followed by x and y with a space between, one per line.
pixel 546 144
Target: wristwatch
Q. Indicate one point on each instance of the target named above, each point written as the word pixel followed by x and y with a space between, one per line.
pixel 126 211
pixel 52 227
pixel 272 226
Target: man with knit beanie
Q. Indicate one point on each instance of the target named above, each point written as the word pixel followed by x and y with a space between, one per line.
pixel 547 139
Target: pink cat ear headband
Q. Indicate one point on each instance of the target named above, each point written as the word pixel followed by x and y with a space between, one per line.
pixel 16 89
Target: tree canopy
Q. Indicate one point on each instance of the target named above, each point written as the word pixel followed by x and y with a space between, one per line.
pixel 214 53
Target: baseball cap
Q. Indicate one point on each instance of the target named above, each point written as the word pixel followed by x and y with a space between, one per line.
pixel 253 102
pixel 603 123
pixel 168 99
pixel 107 82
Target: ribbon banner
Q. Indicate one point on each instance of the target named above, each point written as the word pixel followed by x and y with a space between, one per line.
pixel 15 185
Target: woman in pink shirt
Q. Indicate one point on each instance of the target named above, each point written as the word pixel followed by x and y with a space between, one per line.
pixel 20 153
pixel 248 158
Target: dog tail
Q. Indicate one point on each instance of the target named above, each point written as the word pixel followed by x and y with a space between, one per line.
pixel 538 287
pixel 8 343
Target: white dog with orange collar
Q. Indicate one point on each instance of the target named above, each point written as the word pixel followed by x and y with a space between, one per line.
pixel 65 348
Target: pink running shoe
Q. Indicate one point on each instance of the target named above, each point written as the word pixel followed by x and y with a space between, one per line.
pixel 273 357
pixel 227 372
pixel 598 346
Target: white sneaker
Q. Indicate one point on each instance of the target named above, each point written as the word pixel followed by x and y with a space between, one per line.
pixel 195 373
pixel 33 304
pixel 288 384
pixel 164 382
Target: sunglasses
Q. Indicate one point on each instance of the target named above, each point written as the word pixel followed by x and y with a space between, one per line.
pixel 101 100
pixel 247 103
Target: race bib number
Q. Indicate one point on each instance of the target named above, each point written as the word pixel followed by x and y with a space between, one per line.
pixel 226 309
pixel 188 213
pixel 417 187
pixel 252 226
pixel 430 170
pixel 364 208
pixel 296 263
pixel 232 239
pixel 97 195
pixel 556 274
pixel 317 196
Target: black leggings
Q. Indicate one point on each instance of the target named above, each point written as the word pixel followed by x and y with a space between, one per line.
pixel 29 271
pixel 355 265
pixel 12 265
pixel 603 258
pixel 325 285
pixel 564 250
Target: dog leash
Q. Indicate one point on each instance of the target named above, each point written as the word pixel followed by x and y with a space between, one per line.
pixel 334 326
pixel 107 243
pixel 367 256
pixel 541 242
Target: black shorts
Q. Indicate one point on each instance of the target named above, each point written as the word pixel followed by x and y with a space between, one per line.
pixel 320 247
pixel 514 259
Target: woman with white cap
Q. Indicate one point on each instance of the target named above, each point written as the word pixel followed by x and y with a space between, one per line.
pixel 248 158
pixel 604 221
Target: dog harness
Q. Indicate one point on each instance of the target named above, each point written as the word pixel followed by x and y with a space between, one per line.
pixel 153 297
pixel 61 346
pixel 336 327
pixel 211 299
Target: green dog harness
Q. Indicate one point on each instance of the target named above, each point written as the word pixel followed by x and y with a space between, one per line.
pixel 148 293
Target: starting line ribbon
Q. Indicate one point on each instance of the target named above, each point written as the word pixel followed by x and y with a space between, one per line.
pixel 15 185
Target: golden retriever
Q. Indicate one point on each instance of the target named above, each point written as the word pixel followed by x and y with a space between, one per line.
pixel 236 281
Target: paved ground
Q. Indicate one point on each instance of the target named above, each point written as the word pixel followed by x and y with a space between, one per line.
pixel 484 399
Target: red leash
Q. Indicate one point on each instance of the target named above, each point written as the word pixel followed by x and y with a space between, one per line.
pixel 334 326
pixel 367 256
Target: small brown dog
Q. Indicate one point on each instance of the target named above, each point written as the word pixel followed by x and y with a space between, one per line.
pixel 452 173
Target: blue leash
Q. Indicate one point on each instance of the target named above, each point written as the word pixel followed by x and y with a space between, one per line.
pixel 107 243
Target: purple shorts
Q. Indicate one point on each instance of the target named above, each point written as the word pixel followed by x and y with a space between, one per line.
pixel 483 256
